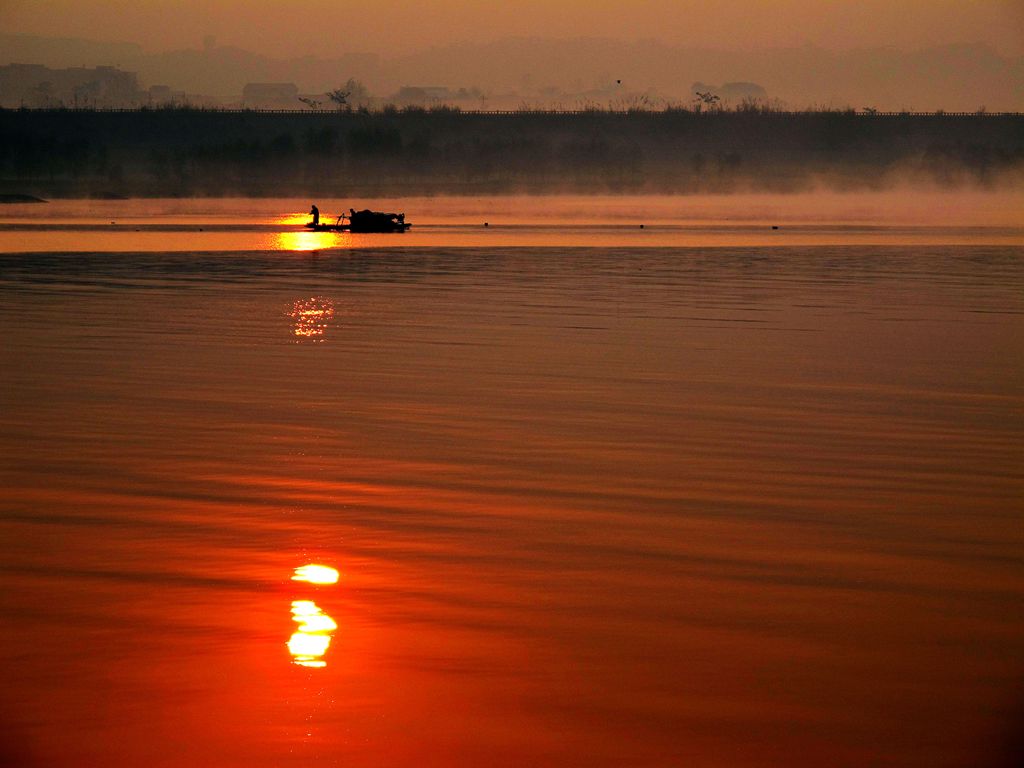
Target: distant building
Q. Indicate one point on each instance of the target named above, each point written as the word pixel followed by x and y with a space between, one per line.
pixel 36 86
pixel 270 96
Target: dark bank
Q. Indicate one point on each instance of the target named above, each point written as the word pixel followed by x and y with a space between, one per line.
pixel 186 152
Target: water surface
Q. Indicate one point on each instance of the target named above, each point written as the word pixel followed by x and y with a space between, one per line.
pixel 705 498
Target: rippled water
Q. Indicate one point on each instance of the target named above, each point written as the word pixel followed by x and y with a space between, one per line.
pixel 626 502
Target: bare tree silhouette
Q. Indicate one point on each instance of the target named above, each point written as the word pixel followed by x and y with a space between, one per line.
pixel 707 100
pixel 340 97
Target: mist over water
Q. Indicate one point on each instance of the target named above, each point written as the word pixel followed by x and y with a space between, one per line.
pixel 705 493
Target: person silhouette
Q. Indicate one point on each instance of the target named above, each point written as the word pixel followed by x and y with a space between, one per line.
pixel 316 215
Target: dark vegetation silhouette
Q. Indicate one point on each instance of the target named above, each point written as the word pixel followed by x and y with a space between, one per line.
pixel 703 148
pixel 340 97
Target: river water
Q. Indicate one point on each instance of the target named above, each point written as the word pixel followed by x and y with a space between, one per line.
pixel 704 493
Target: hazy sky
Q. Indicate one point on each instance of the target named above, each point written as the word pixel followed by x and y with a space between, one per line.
pixel 389 27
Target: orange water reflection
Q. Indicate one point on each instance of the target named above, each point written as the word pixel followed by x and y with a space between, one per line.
pixel 311 317
pixel 125 240
pixel 293 219
pixel 594 507
pixel 303 240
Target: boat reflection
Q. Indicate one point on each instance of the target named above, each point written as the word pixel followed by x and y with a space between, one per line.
pixel 310 318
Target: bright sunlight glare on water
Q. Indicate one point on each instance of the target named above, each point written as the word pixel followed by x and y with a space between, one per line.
pixel 311 639
pixel 316 574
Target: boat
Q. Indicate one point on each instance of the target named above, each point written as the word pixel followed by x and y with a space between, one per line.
pixel 363 221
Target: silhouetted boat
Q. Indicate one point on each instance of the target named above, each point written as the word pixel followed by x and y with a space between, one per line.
pixel 364 221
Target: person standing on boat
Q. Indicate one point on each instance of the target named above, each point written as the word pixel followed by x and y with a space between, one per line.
pixel 316 215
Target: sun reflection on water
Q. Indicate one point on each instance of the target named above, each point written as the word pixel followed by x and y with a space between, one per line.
pixel 316 574
pixel 312 637
pixel 310 318
pixel 304 241
pixel 310 641
pixel 296 217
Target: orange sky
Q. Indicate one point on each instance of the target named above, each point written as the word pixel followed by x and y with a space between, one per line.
pixel 392 27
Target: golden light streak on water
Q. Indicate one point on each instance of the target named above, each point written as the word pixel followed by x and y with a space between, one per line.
pixel 291 219
pixel 309 643
pixel 316 574
pixel 304 608
pixel 303 241
pixel 310 318
pixel 319 623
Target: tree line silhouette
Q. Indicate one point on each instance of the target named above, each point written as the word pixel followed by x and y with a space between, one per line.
pixel 177 152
